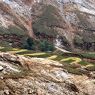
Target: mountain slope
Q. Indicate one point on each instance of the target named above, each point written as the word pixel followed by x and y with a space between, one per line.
pixel 70 21
pixel 79 18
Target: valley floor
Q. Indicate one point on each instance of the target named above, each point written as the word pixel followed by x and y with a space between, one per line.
pixel 72 62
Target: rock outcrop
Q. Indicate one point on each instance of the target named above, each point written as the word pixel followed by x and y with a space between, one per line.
pixel 37 76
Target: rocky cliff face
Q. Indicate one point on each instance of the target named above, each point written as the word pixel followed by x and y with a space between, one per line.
pixel 77 22
pixel 79 16
pixel 72 20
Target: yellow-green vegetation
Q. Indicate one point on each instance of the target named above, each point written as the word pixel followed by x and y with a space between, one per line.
pixel 34 54
pixel 62 58
pixel 14 51
pixel 74 59
pixel 53 57
pixel 71 64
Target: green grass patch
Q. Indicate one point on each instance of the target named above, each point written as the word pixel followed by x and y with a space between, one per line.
pixel 84 63
pixel 72 69
pixel 58 58
pixel 5 49
pixel 88 55
pixel 5 44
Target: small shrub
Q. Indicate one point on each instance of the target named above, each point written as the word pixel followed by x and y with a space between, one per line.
pixel 30 44
pixel 50 47
pixel 45 46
